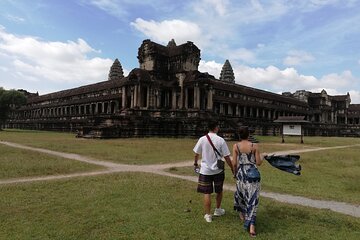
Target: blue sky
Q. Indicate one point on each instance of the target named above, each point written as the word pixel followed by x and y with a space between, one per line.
pixel 275 45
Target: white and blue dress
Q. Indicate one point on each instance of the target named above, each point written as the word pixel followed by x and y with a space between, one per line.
pixel 246 197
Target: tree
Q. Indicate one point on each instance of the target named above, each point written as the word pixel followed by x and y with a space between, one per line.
pixel 9 100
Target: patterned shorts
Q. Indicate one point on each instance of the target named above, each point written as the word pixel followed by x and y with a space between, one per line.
pixel 207 183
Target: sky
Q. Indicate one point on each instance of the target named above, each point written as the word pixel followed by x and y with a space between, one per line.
pixel 274 45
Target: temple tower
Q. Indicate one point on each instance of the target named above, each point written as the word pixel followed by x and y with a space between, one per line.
pixel 227 73
pixel 116 71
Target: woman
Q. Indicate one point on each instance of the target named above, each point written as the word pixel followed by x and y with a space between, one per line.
pixel 246 155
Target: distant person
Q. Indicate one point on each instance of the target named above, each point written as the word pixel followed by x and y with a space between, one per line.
pixel 212 148
pixel 246 158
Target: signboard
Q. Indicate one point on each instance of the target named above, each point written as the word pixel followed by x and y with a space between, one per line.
pixel 292 129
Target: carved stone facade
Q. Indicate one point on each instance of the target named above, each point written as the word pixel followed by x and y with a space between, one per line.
pixel 168 96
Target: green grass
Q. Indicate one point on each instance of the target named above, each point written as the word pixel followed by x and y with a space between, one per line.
pixel 311 141
pixel 326 175
pixel 126 150
pixel 135 150
pixel 337 170
pixel 145 206
pixel 330 174
pixel 15 163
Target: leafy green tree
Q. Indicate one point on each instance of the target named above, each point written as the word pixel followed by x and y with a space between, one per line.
pixel 9 100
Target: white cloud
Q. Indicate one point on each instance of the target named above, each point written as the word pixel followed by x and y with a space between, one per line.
pixel 14 18
pixel 288 79
pixel 29 59
pixel 355 96
pixel 181 31
pixel 311 5
pixel 296 57
pixel 219 7
pixel 240 54
pixel 211 67
pixel 112 7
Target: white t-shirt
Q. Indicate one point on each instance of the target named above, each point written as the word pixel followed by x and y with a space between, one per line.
pixel 208 157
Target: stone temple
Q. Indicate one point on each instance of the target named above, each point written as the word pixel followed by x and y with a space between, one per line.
pixel 168 96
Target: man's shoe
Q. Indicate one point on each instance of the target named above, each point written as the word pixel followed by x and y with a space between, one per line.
pixel 219 212
pixel 208 218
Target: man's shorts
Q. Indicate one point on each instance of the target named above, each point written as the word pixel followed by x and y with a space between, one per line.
pixel 207 183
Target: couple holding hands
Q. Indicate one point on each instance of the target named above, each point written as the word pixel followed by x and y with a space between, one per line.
pixel 245 159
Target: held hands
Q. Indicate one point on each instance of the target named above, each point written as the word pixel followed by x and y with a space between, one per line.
pixel 196 168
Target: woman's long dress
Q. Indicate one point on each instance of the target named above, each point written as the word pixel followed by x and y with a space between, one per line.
pixel 246 197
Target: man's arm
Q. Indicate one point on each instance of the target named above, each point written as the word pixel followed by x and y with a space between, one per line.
pixel 229 162
pixel 196 159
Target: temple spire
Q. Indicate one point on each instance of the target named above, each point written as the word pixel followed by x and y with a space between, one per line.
pixel 116 71
pixel 171 43
pixel 227 73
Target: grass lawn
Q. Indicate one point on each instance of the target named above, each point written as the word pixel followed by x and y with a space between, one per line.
pixel 311 141
pixel 145 206
pixel 125 150
pixel 134 150
pixel 326 175
pixel 331 174
pixel 16 163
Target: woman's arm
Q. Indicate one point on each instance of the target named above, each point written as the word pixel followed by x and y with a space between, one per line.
pixel 257 155
pixel 234 158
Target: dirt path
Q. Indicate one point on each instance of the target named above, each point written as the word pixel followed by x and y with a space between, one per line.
pixel 111 167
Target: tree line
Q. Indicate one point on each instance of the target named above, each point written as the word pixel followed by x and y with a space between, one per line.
pixel 9 100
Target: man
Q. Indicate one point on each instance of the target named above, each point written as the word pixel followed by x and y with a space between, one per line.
pixel 210 175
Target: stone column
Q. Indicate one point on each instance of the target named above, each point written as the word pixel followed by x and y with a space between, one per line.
pixel 148 97
pixel 132 97
pixel 196 96
pixel 210 99
pixel 139 96
pixel 230 109
pixel 245 109
pixel 186 102
pixel 269 114
pixel 123 96
pixel 158 98
pixel 181 77
pixel 136 95
pixel 173 101
pixel 221 108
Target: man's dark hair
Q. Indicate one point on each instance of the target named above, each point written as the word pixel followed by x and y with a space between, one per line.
pixel 244 133
pixel 212 125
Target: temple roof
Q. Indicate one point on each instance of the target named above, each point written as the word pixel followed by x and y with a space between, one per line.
pixel 291 119
pixel 139 74
pixel 170 50
pixel 196 76
pixel 340 97
pixel 354 107
pixel 79 90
